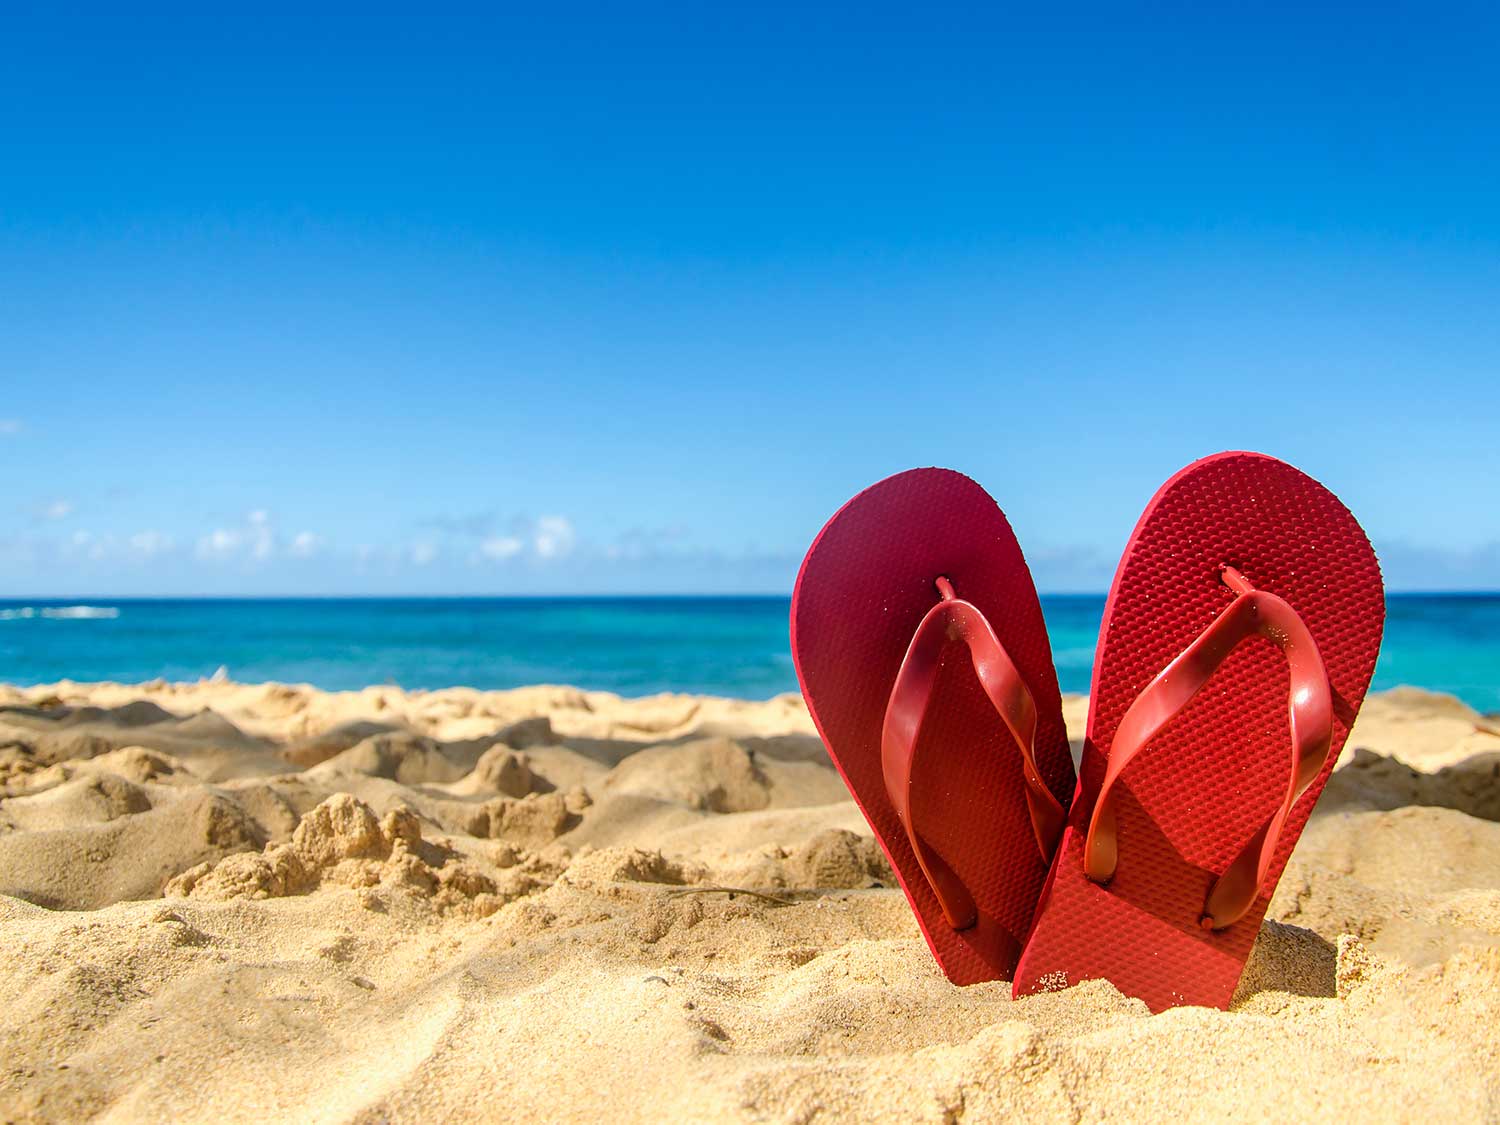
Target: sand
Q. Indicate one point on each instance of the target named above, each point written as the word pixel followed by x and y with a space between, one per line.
pixel 247 903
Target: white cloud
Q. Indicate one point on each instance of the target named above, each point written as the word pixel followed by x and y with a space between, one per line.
pixel 262 539
pixel 554 537
pixel 548 538
pixel 255 537
pixel 501 547
pixel 304 545
pixel 423 553
pixel 9 427
pixel 89 545
pixel 485 537
pixel 642 543
pixel 151 543
pixel 58 510
pixel 219 543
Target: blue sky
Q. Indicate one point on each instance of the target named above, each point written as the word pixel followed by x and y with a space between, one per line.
pixel 631 298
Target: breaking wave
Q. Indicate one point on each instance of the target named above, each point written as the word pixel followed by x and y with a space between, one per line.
pixel 60 612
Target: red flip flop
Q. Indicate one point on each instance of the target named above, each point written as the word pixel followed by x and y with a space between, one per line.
pixel 923 657
pixel 1237 644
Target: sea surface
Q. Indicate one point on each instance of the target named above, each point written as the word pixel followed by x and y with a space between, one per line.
pixel 634 646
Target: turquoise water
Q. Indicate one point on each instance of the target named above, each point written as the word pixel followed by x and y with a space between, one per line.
pixel 725 646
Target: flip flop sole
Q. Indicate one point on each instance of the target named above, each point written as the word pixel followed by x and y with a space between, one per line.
pixel 865 585
pixel 1191 800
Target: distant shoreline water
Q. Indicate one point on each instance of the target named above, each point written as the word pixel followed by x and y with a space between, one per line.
pixel 735 646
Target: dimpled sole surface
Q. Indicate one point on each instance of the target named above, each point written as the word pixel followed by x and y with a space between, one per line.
pixel 1192 799
pixel 866 583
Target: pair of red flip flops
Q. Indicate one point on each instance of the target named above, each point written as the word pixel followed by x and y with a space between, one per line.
pixel 1237 644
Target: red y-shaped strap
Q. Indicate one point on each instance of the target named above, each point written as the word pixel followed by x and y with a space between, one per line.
pixel 951 620
pixel 1310 714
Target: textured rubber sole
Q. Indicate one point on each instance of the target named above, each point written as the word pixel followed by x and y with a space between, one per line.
pixel 1215 774
pixel 865 584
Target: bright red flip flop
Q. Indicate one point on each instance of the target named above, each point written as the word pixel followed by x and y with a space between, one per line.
pixel 1236 648
pixel 923 657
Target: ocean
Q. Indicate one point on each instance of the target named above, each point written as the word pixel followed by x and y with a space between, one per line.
pixel 635 646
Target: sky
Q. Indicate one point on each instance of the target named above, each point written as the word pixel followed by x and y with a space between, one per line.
pixel 630 298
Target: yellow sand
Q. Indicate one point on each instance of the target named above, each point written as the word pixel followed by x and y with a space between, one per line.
pixel 462 905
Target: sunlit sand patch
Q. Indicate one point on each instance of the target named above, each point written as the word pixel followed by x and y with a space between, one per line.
pixel 264 901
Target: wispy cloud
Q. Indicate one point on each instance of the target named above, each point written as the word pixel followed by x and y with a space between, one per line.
pixel 1407 566
pixel 501 547
pixel 57 510
pixel 553 537
pixel 88 545
pixel 639 543
pixel 151 543
pixel 261 538
pixel 252 553
pixel 97 547
pixel 304 545
pixel 255 539
pixel 219 543
pixel 475 525
pixel 9 427
pixel 486 537
pixel 544 539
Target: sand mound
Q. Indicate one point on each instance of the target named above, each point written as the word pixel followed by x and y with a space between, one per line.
pixel 206 741
pixel 505 771
pixel 630 865
pixel 334 741
pixel 837 858
pixel 128 856
pixel 88 798
pixel 400 756
pixel 341 843
pixel 1370 781
pixel 388 906
pixel 532 820
pixel 712 773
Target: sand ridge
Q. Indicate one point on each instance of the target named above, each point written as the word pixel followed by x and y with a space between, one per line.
pixel 265 901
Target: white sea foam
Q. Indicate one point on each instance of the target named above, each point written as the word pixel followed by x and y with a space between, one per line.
pixel 60 612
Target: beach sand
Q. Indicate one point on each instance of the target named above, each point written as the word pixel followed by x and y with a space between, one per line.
pixel 250 903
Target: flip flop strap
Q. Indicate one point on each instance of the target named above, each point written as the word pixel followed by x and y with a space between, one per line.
pixel 1310 716
pixel 953 619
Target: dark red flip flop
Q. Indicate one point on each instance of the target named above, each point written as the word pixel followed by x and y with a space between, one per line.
pixel 923 657
pixel 1237 644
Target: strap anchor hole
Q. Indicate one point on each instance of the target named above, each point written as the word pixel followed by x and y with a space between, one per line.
pixel 1234 579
